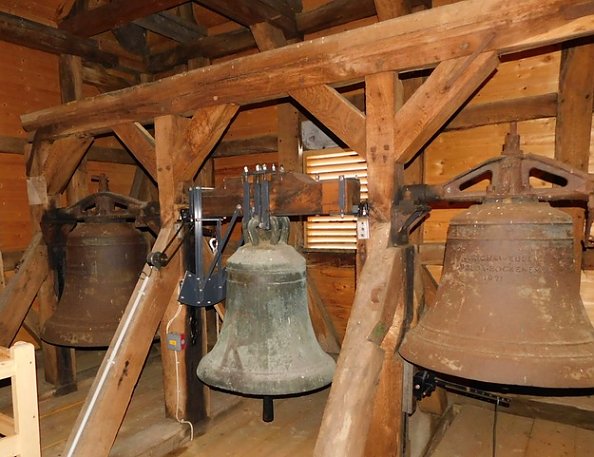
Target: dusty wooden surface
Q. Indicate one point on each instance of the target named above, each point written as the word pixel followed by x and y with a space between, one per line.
pixel 471 432
pixel 145 430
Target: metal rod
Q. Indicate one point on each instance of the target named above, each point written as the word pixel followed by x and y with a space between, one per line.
pixel 267 409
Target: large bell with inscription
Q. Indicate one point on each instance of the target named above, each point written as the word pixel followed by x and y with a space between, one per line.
pixel 508 308
pixel 267 345
pixel 104 255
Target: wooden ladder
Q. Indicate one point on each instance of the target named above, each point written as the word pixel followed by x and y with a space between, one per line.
pixel 21 431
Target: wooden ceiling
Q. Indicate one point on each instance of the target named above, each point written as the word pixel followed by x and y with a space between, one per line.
pixel 123 39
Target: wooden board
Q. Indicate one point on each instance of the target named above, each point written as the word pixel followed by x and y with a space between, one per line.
pixel 471 434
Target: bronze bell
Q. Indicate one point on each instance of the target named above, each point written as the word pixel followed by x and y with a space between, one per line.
pixel 508 308
pixel 267 345
pixel 104 255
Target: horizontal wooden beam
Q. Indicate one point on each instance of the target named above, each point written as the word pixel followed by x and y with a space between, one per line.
pixel 229 148
pixel 226 148
pixel 210 47
pixel 334 13
pixel 291 194
pixel 514 110
pixel 172 26
pixel 107 79
pixel 398 44
pixel 113 14
pixel 250 12
pixel 33 35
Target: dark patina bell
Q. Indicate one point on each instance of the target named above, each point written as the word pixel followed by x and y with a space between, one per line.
pixel 103 256
pixel 267 345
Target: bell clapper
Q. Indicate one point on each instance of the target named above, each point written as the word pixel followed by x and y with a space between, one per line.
pixel 267 408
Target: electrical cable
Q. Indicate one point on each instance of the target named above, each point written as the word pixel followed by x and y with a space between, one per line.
pixel 495 428
pixel 181 421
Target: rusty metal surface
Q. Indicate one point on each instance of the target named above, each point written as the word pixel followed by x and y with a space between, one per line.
pixel 267 345
pixel 102 263
pixel 508 308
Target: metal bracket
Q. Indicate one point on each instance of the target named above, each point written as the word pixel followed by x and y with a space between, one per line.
pixel 205 288
pixel 342 195
pixel 509 175
pixel 425 382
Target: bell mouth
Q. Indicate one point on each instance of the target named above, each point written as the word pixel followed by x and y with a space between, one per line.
pixel 556 366
pixel 68 332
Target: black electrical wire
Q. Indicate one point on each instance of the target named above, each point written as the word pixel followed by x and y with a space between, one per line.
pixel 495 428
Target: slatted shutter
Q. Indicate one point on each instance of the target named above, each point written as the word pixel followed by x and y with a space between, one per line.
pixel 334 232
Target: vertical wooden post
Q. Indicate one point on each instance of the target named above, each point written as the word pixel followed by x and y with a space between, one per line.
pixel 350 414
pixel 182 147
pixel 574 120
pixel 384 96
pixel 185 395
pixel 59 362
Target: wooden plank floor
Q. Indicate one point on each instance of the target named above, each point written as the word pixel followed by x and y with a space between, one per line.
pixel 241 432
pixel 145 431
pixel 471 435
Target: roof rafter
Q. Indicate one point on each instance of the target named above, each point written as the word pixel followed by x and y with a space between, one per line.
pixel 396 45
pixel 114 14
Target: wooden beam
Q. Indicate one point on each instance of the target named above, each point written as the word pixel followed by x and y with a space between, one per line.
pixel 291 194
pixel 105 406
pixel 574 106
pixel 229 148
pixel 448 87
pixel 205 130
pixel 17 296
pixel 140 143
pixel 106 79
pixel 574 123
pixel 389 9
pixel 185 395
pixel 172 26
pixel 62 161
pixel 348 411
pixel 336 113
pixel 210 47
pixel 398 44
pixel 334 13
pixel 382 101
pixel 504 111
pixel 115 13
pixel 321 320
pixel 324 102
pixel 70 69
pixel 250 12
pixel 33 35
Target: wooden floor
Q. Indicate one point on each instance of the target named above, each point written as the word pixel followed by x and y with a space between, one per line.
pixel 470 434
pixel 241 432
pixel 237 428
pixel 145 428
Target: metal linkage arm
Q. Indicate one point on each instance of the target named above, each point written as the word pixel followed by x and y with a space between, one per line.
pixel 508 175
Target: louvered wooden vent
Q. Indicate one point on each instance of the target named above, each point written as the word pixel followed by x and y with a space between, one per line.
pixel 330 232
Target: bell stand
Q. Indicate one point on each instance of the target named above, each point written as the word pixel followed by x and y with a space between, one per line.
pixel 509 176
pixel 202 289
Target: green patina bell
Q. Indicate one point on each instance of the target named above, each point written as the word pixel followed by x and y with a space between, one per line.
pixel 267 345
